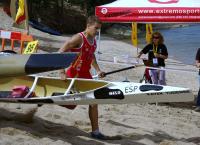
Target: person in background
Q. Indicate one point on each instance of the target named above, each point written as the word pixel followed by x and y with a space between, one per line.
pixel 85 43
pixel 198 66
pixel 157 53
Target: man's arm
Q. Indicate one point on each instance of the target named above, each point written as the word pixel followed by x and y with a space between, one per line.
pixel 74 42
pixel 95 64
pixel 97 68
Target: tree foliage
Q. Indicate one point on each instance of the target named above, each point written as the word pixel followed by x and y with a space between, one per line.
pixel 63 14
pixel 89 5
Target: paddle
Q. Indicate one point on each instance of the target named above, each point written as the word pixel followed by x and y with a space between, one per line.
pixel 116 71
pixel 119 70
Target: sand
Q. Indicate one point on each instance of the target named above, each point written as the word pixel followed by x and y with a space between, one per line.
pixel 137 124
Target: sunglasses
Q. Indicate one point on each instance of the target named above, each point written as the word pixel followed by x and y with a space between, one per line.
pixel 156 37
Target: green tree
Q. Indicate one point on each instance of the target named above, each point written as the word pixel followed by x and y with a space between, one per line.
pixel 89 5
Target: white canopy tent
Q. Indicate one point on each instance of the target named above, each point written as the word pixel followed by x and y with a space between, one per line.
pixel 152 11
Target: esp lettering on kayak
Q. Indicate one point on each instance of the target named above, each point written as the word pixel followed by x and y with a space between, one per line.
pixel 130 89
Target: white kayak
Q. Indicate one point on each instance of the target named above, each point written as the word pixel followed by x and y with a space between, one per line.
pixel 76 91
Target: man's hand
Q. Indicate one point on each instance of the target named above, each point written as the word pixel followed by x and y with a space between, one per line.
pixel 101 74
pixel 62 75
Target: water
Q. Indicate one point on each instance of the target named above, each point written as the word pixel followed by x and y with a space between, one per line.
pixel 182 43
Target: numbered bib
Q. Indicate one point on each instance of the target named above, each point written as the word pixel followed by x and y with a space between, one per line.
pixel 155 61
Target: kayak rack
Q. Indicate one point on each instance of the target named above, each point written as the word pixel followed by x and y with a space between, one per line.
pixel 33 87
pixel 70 86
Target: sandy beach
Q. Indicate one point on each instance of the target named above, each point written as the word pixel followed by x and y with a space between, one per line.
pixel 136 124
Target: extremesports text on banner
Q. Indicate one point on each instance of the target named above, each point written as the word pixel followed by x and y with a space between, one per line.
pixel 150 11
pixel 112 14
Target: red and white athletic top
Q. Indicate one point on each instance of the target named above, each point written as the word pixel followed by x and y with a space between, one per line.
pixel 80 68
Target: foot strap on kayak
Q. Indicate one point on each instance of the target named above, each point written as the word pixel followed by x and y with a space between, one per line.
pixel 145 88
pixel 106 93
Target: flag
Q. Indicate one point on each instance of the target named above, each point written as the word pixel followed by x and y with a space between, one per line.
pixel 149 32
pixel 20 16
pixel 134 35
pixel 13 10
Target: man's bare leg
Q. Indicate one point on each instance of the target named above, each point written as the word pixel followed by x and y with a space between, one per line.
pixel 93 114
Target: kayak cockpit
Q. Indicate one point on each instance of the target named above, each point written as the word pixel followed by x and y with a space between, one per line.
pixel 48 86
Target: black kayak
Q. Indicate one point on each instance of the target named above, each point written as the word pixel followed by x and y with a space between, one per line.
pixel 44 28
